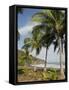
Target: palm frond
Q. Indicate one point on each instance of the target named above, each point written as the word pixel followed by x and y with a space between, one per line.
pixel 39 17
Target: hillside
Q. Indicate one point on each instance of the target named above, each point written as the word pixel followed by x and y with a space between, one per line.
pixel 34 60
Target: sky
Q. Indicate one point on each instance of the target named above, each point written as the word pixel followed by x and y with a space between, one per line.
pixel 25 26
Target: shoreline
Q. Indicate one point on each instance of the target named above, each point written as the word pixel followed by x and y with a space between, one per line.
pixel 48 66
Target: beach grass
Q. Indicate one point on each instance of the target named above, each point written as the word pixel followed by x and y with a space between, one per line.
pixel 26 74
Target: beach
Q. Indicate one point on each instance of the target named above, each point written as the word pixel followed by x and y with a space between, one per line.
pixel 56 66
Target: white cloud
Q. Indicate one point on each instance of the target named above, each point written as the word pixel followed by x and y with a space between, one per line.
pixel 25 32
pixel 27 28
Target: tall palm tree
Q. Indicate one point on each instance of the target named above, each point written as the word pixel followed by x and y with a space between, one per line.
pixel 56 20
pixel 45 39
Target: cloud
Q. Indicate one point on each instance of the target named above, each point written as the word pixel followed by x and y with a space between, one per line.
pixel 27 28
pixel 25 32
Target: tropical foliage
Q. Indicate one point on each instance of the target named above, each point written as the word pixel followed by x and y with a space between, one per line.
pixel 55 21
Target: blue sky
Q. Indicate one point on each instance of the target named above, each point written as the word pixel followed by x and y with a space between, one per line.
pixel 25 17
pixel 25 26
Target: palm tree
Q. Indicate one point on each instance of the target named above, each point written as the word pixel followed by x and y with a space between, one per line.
pixel 46 38
pixel 46 41
pixel 27 57
pixel 33 43
pixel 55 19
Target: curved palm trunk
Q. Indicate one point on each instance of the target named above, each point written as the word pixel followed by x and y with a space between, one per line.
pixel 45 68
pixel 35 68
pixel 62 76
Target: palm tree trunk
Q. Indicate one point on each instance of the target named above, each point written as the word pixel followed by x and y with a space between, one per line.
pixel 62 76
pixel 35 68
pixel 45 60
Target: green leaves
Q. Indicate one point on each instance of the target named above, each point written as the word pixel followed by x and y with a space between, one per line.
pixel 39 17
pixel 51 21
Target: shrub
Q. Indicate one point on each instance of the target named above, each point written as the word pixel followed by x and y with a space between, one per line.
pixel 53 75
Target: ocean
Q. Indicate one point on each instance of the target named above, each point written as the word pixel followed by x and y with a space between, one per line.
pixel 49 65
